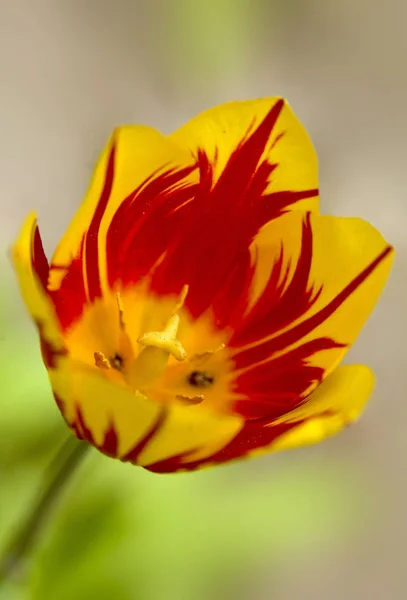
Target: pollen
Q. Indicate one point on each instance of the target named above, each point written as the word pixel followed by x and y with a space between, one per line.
pixel 207 353
pixel 200 379
pixel 117 362
pixel 190 399
pixel 101 361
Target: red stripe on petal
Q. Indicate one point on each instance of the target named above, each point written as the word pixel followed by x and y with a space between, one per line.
pixel 223 219
pixel 274 385
pixel 59 402
pixel 172 464
pixel 283 300
pixel 146 224
pixel 276 203
pixel 230 302
pixel 80 424
pixel 134 453
pixel 279 385
pixel 92 235
pixel 110 442
pixel 253 435
pixel 77 431
pixel 299 331
pixel 49 352
pixel 39 260
pixel 71 297
pixel 81 281
pixel 238 174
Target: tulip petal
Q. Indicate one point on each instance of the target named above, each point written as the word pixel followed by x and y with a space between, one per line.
pixel 335 404
pixel 131 427
pixel 94 406
pixel 255 162
pixel 309 307
pixel 257 136
pixel 31 267
pixel 134 156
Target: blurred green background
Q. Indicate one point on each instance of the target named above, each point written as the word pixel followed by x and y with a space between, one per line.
pixel 323 522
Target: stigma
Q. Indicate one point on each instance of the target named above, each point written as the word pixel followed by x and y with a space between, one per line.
pixel 142 368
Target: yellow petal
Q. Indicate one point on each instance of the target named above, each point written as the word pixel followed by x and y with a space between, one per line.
pixel 220 130
pixel 157 431
pixel 132 155
pixel 337 402
pixel 101 403
pixel 347 259
pixel 192 432
pixel 31 267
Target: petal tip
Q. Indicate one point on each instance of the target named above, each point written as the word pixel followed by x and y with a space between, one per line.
pixel 21 249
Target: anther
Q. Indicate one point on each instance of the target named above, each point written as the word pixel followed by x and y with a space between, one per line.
pixel 190 399
pixel 181 299
pixel 121 311
pixel 116 362
pixel 201 355
pixel 200 379
pixel 101 361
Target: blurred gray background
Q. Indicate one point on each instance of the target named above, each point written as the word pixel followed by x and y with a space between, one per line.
pixel 70 70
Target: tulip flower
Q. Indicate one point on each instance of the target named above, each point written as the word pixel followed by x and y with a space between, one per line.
pixel 198 307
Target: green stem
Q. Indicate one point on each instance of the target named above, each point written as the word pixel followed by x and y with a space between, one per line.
pixel 56 477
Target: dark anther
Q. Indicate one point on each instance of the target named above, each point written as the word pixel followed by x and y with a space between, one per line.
pixel 200 379
pixel 117 361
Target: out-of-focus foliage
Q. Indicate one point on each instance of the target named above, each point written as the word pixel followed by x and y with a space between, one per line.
pixel 219 30
pixel 209 37
pixel 125 533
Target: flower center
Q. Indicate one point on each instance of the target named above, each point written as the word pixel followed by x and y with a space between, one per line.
pixel 148 366
pixel 151 345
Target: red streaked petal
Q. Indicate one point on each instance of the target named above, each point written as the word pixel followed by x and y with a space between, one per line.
pixel 131 427
pixel 272 388
pixel 254 436
pixel 91 237
pixel 39 260
pixel 229 208
pixel 146 224
pixel 277 145
pixel 336 403
pixel 321 289
pixel 82 269
pixel 31 267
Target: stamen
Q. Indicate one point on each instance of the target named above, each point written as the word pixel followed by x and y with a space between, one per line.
pixel 201 355
pixel 121 311
pixel 190 399
pixel 200 379
pixel 181 299
pixel 101 361
pixel 117 362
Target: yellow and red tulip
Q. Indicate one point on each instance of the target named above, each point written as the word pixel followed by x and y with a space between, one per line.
pixel 198 306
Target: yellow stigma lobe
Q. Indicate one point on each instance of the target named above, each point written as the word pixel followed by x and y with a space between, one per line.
pixel 166 339
pixel 152 361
